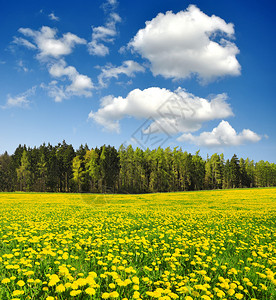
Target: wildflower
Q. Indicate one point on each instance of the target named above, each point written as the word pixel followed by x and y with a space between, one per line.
pixel 105 295
pixel 90 291
pixel 136 295
pixel 231 292
pixel 60 288
pixel 135 280
pixel 21 283
pixel 114 294
pixel 75 293
pixel 17 293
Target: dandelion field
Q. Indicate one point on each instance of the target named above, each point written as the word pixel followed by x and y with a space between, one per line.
pixel 193 245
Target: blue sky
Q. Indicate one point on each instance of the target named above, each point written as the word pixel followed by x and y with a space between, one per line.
pixel 198 75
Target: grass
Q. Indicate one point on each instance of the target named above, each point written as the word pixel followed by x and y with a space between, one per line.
pixel 195 245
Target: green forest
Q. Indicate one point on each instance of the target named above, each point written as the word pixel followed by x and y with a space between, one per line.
pixel 61 168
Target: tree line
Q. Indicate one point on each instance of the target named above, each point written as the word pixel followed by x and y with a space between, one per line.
pixel 60 168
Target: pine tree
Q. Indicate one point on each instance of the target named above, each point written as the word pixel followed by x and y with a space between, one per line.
pixel 234 172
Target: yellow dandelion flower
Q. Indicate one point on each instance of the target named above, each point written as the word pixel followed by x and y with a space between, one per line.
pixel 90 291
pixel 114 294
pixel 60 288
pixel 5 280
pixel 17 293
pixel 105 295
pixel 136 295
pixel 20 283
pixel 112 285
pixel 75 293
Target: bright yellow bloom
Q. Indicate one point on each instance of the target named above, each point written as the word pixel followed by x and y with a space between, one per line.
pixel 112 285
pixel 17 293
pixel 90 291
pixel 136 295
pixel 135 280
pixel 20 283
pixel 231 292
pixel 5 280
pixel 114 294
pixel 75 293
pixel 105 295
pixel 60 288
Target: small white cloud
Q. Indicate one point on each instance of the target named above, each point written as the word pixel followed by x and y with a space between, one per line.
pixel 81 85
pixel 22 67
pixel 23 42
pixel 55 91
pixel 20 100
pixel 129 68
pixel 177 111
pixel 188 43
pixel 112 2
pixel 104 34
pixel 53 17
pixel 109 5
pixel 48 44
pixel 224 135
pixel 96 48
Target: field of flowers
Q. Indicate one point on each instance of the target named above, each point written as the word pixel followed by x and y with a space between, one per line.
pixel 193 245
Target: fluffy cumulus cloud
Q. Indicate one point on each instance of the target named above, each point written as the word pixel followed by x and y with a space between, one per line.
pixel 128 68
pixel 81 85
pixel 224 135
pixel 177 111
pixel 46 42
pixel 188 43
pixel 21 100
pixel 106 33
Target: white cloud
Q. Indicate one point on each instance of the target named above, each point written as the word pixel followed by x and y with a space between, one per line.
pixel 106 33
pixel 23 42
pixel 21 66
pixel 48 44
pixel 109 5
pixel 112 2
pixel 223 135
pixel 188 43
pixel 50 51
pixel 99 49
pixel 21 100
pixel 177 111
pixel 129 68
pixel 53 17
pixel 81 85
